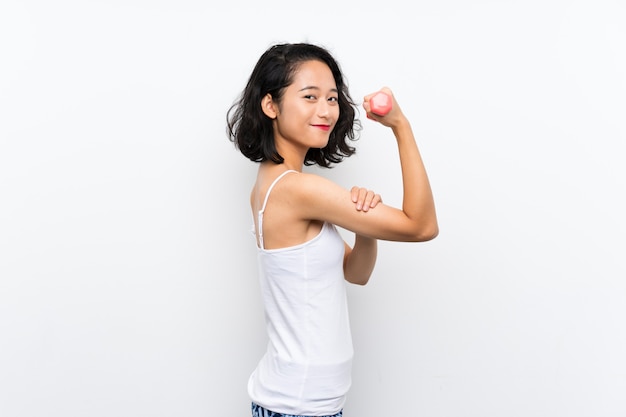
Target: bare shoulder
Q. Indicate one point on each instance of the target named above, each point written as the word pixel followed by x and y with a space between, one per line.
pixel 292 190
pixel 311 188
pixel 318 198
pixel 304 179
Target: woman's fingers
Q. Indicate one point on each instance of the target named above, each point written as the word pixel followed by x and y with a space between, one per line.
pixel 364 199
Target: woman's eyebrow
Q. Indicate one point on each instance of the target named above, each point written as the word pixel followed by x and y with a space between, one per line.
pixel 312 87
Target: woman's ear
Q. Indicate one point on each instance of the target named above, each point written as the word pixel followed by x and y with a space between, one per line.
pixel 269 107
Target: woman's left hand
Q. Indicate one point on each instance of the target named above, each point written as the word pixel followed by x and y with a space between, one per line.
pixel 364 199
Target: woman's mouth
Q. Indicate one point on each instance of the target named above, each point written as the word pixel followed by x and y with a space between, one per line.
pixel 325 128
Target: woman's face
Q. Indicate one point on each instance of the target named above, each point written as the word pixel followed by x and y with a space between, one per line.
pixel 309 108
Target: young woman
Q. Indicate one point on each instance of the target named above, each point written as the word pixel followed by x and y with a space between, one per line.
pixel 296 110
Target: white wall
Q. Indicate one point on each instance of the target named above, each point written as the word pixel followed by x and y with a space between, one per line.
pixel 127 272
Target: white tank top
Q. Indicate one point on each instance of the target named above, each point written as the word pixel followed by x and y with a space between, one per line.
pixel 306 369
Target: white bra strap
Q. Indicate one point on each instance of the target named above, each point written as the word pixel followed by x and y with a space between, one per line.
pixel 260 215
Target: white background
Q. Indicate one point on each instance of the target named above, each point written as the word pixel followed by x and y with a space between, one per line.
pixel 127 271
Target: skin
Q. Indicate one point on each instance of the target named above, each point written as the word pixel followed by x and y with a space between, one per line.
pixel 301 202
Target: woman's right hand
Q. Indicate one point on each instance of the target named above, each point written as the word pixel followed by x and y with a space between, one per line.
pixel 394 118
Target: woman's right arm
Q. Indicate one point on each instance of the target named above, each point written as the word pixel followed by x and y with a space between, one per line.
pixel 418 203
pixel 416 221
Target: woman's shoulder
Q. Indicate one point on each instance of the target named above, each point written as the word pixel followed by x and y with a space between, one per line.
pixel 299 189
pixel 306 182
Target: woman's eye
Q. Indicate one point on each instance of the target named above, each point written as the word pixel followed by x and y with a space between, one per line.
pixel 333 99
pixel 309 97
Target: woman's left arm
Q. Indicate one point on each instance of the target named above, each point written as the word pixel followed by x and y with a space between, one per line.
pixel 359 261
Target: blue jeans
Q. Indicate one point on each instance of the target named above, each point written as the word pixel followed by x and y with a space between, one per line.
pixel 258 411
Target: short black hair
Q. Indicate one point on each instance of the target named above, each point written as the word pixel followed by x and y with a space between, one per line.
pixel 251 130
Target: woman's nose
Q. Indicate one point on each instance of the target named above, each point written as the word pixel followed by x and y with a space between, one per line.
pixel 323 109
